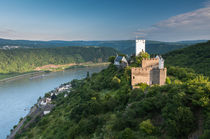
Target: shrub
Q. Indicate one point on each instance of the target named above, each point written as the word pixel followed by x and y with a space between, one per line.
pixel 147 127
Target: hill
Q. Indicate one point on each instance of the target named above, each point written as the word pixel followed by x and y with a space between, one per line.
pixel 24 60
pixel 196 57
pixel 123 46
pixel 104 106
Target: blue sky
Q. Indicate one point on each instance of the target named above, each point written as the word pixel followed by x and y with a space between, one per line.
pixel 164 20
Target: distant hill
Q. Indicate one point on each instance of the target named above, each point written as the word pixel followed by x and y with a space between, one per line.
pixel 124 46
pixel 24 60
pixel 196 57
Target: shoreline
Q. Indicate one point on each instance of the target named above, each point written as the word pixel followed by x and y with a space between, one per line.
pixel 37 73
pixel 43 107
pixel 12 78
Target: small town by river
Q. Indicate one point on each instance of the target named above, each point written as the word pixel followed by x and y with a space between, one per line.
pixel 18 96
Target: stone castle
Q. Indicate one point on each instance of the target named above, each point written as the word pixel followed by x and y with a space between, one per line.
pixel 151 71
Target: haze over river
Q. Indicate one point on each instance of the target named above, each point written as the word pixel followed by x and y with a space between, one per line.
pixel 17 97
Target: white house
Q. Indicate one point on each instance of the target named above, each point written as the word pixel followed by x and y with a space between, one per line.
pixel 43 103
pixel 48 100
pixel 46 112
pixel 120 61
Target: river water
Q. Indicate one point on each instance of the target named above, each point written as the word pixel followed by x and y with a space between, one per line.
pixel 17 97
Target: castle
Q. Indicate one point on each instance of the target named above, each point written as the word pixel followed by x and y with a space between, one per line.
pixel 152 70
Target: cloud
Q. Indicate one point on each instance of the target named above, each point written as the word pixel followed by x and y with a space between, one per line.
pixel 188 26
pixel 6 33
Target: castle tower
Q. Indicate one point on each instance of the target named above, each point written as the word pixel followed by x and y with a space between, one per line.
pixel 140 46
pixel 161 63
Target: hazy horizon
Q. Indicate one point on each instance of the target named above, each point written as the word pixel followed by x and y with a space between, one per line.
pixel 71 20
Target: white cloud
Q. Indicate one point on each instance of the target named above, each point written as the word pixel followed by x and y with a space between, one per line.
pixel 6 33
pixel 188 26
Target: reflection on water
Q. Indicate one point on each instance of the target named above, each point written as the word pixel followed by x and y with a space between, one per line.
pixel 17 97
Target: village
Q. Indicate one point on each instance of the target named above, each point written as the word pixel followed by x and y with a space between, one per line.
pixel 43 107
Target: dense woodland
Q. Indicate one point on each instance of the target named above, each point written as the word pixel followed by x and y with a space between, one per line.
pixel 196 57
pixel 24 60
pixel 105 106
pixel 123 46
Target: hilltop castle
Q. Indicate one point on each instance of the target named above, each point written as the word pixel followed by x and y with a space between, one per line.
pixel 152 70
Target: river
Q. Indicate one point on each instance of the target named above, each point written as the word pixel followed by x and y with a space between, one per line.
pixel 17 97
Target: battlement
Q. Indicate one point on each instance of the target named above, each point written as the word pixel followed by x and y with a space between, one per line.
pixel 150 62
pixel 139 69
pixel 148 75
pixel 150 59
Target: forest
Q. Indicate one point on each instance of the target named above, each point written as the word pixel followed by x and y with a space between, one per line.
pixel 196 57
pixel 25 60
pixel 105 106
pixel 123 46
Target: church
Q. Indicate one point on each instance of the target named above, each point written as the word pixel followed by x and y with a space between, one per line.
pixel 151 71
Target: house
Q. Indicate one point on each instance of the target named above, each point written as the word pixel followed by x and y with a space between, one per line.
pixel 120 61
pixel 45 101
pixel 48 100
pixel 46 112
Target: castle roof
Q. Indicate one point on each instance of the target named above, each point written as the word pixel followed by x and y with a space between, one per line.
pixel 119 58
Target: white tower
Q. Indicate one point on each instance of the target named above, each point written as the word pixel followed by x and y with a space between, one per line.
pixel 140 46
pixel 161 63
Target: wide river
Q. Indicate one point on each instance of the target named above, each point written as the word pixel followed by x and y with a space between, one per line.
pixel 17 97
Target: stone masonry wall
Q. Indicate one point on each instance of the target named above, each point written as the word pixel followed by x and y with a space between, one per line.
pixel 140 75
pixel 152 62
pixel 163 75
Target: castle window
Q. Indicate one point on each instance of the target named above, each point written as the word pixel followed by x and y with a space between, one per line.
pixel 133 77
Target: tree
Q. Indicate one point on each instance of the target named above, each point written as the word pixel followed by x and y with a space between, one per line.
pixel 126 134
pixel 141 56
pixel 111 59
pixel 116 81
pixel 147 126
pixel 137 60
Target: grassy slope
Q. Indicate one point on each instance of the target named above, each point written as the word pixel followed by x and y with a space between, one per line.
pixel 196 57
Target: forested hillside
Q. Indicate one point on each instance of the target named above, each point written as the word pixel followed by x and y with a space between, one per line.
pixel 104 106
pixel 123 46
pixel 24 60
pixel 196 57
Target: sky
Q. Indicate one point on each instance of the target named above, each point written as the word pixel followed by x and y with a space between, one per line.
pixel 161 20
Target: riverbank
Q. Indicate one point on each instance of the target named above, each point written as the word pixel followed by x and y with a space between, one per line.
pixel 47 68
pixel 20 95
pixel 54 68
pixel 43 107
pixel 11 77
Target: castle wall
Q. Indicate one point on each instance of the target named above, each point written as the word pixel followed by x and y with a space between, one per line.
pixel 153 62
pixel 163 75
pixel 155 74
pixel 140 75
pixel 149 73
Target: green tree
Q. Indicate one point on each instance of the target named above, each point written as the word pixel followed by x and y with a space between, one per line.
pixel 111 59
pixel 147 127
pixel 116 81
